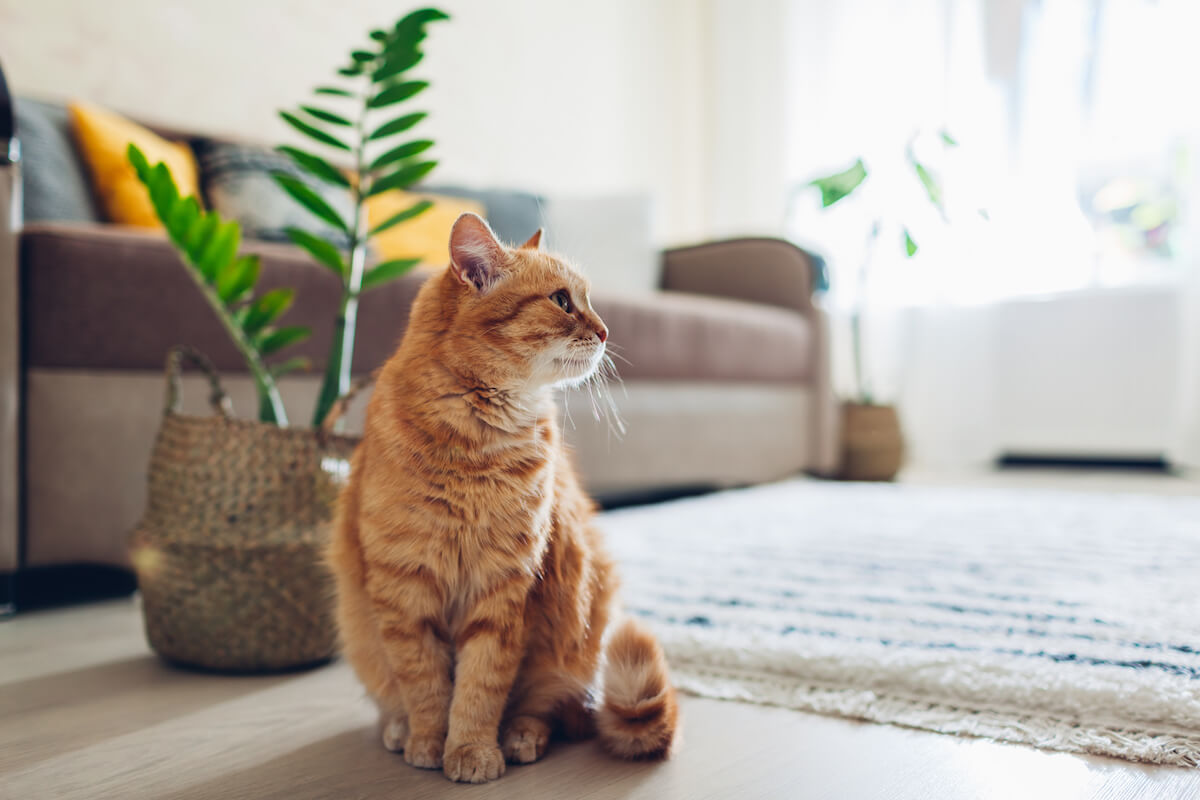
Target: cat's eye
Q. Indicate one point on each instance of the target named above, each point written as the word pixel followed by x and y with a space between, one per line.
pixel 562 299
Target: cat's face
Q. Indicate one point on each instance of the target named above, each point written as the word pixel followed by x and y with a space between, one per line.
pixel 528 311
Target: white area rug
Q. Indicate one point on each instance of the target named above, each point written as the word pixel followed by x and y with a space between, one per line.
pixel 1067 621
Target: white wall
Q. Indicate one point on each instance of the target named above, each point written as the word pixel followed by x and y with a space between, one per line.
pixel 579 96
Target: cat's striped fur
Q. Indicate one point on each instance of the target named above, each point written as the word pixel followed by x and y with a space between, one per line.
pixel 474 594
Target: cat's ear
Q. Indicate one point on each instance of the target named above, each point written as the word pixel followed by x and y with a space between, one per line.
pixel 534 242
pixel 476 257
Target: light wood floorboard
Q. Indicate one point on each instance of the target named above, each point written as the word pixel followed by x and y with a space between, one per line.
pixel 117 723
pixel 86 711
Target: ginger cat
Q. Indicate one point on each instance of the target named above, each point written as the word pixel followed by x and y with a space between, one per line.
pixel 474 593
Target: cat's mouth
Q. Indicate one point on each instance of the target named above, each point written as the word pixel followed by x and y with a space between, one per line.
pixel 581 365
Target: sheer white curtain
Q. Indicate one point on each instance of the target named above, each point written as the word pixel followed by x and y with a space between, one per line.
pixel 866 80
pixel 1075 123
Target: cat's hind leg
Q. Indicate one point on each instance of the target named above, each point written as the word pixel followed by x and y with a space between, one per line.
pixel 393 729
pixel 544 700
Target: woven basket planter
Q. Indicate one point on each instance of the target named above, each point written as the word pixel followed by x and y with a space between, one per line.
pixel 229 554
pixel 872 443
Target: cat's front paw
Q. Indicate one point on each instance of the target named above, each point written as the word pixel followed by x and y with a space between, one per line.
pixel 474 763
pixel 424 751
pixel 525 740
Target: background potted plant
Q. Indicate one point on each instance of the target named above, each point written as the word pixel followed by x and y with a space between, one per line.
pixel 229 552
pixel 871 437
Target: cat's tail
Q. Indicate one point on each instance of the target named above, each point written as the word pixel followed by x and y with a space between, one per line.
pixel 639 715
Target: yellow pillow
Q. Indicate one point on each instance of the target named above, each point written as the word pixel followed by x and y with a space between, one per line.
pixel 426 236
pixel 103 138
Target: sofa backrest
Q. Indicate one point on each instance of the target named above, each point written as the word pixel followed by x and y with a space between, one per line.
pixel 608 235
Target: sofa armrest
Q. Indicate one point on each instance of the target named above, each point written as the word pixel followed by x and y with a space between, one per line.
pixel 10 342
pixel 773 272
pixel 760 270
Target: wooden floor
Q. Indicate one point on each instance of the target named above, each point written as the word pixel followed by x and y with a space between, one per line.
pixel 86 711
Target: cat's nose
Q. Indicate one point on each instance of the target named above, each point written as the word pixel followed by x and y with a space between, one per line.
pixel 602 332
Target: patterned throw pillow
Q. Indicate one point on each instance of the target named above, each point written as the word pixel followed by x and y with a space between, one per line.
pixel 56 187
pixel 237 183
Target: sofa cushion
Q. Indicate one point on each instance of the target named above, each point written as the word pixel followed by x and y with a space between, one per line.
pixel 608 236
pixel 237 182
pixel 54 181
pixel 677 336
pixel 513 215
pixel 104 297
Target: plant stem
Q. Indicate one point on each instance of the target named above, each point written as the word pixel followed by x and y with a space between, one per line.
pixel 341 353
pixel 856 321
pixel 270 404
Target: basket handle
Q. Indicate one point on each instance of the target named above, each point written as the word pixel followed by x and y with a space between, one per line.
pixel 217 398
pixel 342 403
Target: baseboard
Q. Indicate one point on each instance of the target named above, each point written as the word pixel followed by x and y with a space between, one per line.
pixel 1148 463
pixel 47 587
pixel 610 500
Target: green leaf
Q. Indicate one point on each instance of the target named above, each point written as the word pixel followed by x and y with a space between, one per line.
pixel 237 278
pixel 306 197
pixel 316 166
pixel 138 159
pixel 388 271
pixel 400 153
pixel 947 139
pixel 404 46
pixel 267 308
pixel 398 125
pixel 421 17
pixel 412 211
pixel 840 184
pixel 324 252
pixel 334 91
pixel 402 178
pixel 395 64
pixel 182 217
pixel 910 247
pixel 291 365
pixel 352 71
pixel 326 116
pixel 932 187
pixel 396 93
pixel 219 250
pixel 378 35
pixel 199 233
pixel 278 339
pixel 311 132
pixel 362 56
pixel 163 194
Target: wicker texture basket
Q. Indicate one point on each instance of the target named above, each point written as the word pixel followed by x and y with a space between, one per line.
pixel 872 443
pixel 229 552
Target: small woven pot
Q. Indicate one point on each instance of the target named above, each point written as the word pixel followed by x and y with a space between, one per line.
pixel 229 554
pixel 872 445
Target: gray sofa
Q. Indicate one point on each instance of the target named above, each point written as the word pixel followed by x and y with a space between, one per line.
pixel 726 373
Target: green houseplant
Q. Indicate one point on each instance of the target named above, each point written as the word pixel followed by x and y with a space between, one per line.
pixel 377 80
pixel 229 550
pixel 872 442
pixel 208 247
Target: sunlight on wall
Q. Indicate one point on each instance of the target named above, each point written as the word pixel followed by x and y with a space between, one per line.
pixel 538 94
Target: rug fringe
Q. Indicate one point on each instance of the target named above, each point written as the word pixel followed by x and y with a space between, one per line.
pixel 1047 733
